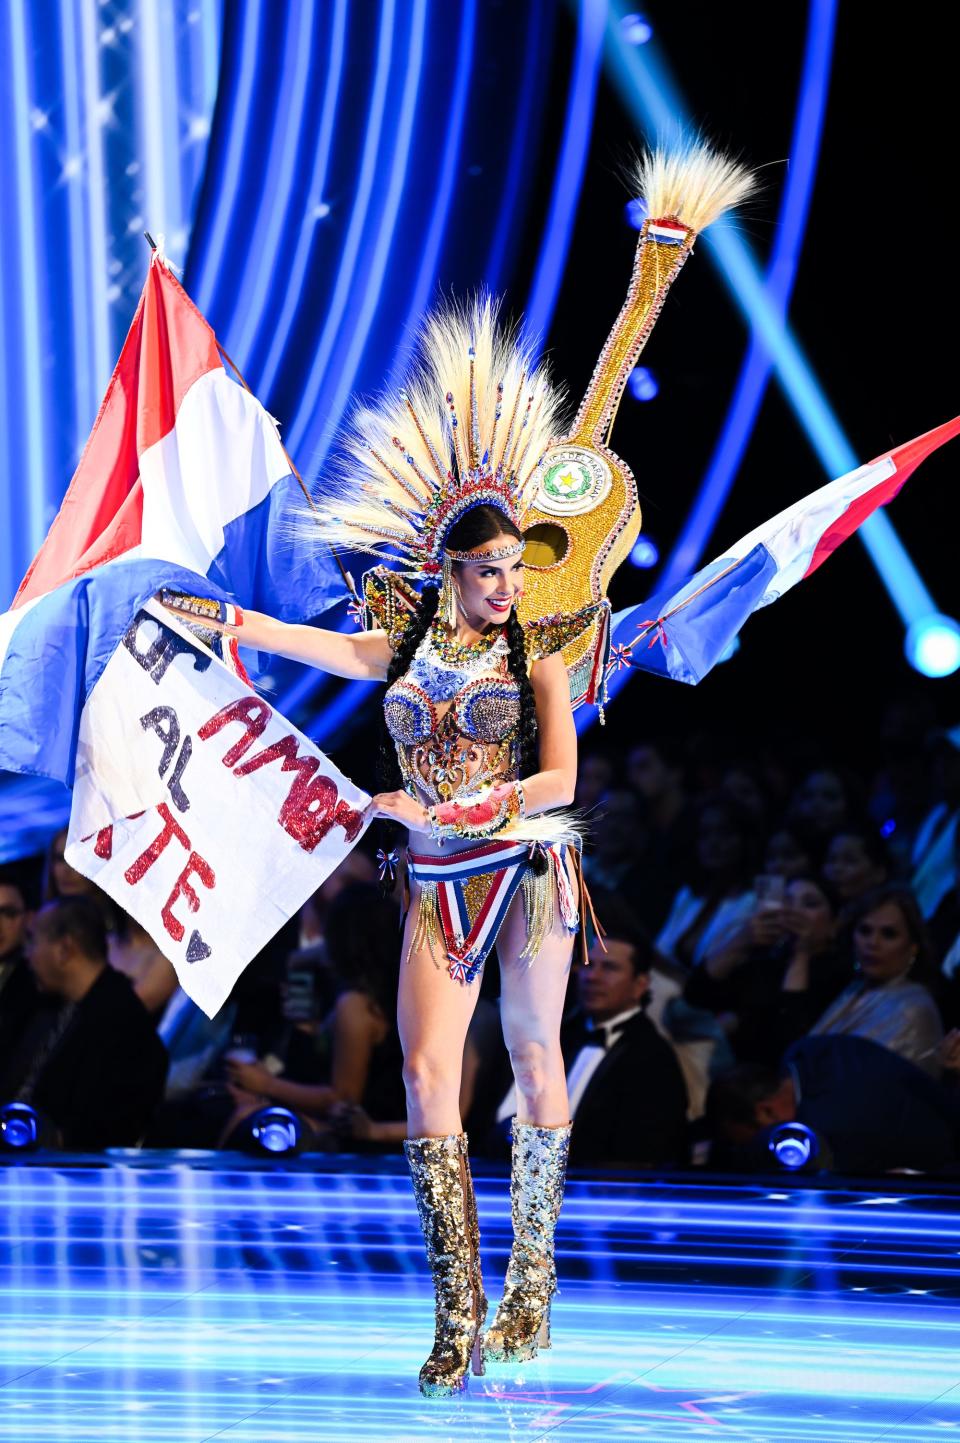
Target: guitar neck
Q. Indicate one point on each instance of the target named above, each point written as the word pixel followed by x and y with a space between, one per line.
pixel 656 264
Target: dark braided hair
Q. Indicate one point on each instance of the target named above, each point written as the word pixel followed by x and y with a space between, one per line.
pixel 389 776
pixel 479 525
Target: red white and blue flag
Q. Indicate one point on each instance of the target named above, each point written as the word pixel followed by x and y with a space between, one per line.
pixel 196 806
pixel 683 633
pixel 183 483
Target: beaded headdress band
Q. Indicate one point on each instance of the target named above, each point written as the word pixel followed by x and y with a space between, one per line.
pixel 497 553
pixel 469 429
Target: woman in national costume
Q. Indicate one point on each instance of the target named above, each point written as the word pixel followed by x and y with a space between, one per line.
pixel 512 526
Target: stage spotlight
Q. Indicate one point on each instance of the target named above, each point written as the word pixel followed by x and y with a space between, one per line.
pixel 933 645
pixel 794 1146
pixel 275 1130
pixel 645 553
pixel 643 384
pixel 635 212
pixel 636 29
pixel 19 1128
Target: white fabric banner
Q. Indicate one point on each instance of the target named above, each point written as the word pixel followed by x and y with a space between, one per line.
pixel 200 809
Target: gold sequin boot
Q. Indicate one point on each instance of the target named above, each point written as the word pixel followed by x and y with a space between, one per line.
pixel 522 1324
pixel 448 1216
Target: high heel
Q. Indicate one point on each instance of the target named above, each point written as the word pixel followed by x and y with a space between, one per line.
pixel 521 1327
pixel 445 1202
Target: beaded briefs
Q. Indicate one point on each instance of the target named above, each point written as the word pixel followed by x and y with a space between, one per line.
pixel 465 897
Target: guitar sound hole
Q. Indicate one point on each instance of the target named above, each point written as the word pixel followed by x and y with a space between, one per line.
pixel 547 544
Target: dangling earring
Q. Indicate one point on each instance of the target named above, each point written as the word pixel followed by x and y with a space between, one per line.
pixel 447 605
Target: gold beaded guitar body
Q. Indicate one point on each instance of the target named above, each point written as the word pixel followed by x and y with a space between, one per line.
pixel 585 517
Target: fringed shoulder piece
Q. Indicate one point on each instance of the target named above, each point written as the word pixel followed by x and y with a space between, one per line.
pixel 391 601
pixel 552 633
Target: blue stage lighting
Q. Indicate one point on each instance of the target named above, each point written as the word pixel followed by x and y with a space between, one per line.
pixel 19 1127
pixel 636 212
pixel 636 29
pixel 642 383
pixel 794 1146
pixel 645 553
pixel 932 645
pixel 274 1130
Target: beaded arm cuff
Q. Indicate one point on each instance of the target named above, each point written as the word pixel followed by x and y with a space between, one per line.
pixel 391 601
pixel 502 805
pixel 551 633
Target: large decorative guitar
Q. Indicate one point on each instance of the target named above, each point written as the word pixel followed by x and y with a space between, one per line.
pixel 586 515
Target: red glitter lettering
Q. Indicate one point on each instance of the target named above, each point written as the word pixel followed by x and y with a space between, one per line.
pixel 198 867
pixel 285 748
pixel 313 808
pixel 251 712
pixel 171 828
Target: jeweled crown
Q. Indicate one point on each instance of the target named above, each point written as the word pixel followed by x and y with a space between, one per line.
pixel 469 428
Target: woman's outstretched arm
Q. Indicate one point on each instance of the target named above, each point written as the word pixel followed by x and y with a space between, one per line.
pixel 362 656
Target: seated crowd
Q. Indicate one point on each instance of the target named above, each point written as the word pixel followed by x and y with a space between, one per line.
pixel 781 944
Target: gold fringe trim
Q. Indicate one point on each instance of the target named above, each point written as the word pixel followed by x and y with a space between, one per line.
pixel 539 905
pixel 429 929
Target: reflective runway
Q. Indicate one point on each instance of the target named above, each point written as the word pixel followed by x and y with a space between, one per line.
pixel 173 1303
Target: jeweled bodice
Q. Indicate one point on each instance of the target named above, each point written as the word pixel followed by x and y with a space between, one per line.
pixel 455 716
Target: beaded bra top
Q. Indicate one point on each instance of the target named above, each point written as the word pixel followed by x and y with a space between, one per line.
pixel 454 717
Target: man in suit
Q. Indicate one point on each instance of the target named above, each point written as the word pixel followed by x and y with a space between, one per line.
pixel 100 1070
pixel 627 1096
pixel 871 1109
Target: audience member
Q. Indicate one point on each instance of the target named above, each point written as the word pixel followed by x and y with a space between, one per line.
pixel 871 1110
pixel 777 973
pixel 791 852
pixel 617 844
pixel 627 1096
pixel 628 1100
pixel 132 951
pixel 62 880
pixel 890 1002
pixel 656 773
pixel 719 897
pixel 364 1097
pixel 743 781
pixel 594 776
pixel 931 859
pixel 100 1072
pixel 18 994
pixel 857 861
pixel 827 800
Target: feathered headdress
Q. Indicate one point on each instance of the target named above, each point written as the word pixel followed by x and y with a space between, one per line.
pixel 469 428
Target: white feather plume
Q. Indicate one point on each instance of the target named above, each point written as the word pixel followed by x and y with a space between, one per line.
pixel 379 497
pixel 694 184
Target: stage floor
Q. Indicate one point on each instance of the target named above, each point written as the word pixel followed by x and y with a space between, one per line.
pixel 152 1301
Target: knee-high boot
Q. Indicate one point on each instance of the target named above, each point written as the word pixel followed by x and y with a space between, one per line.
pixel 539 1167
pixel 448 1216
